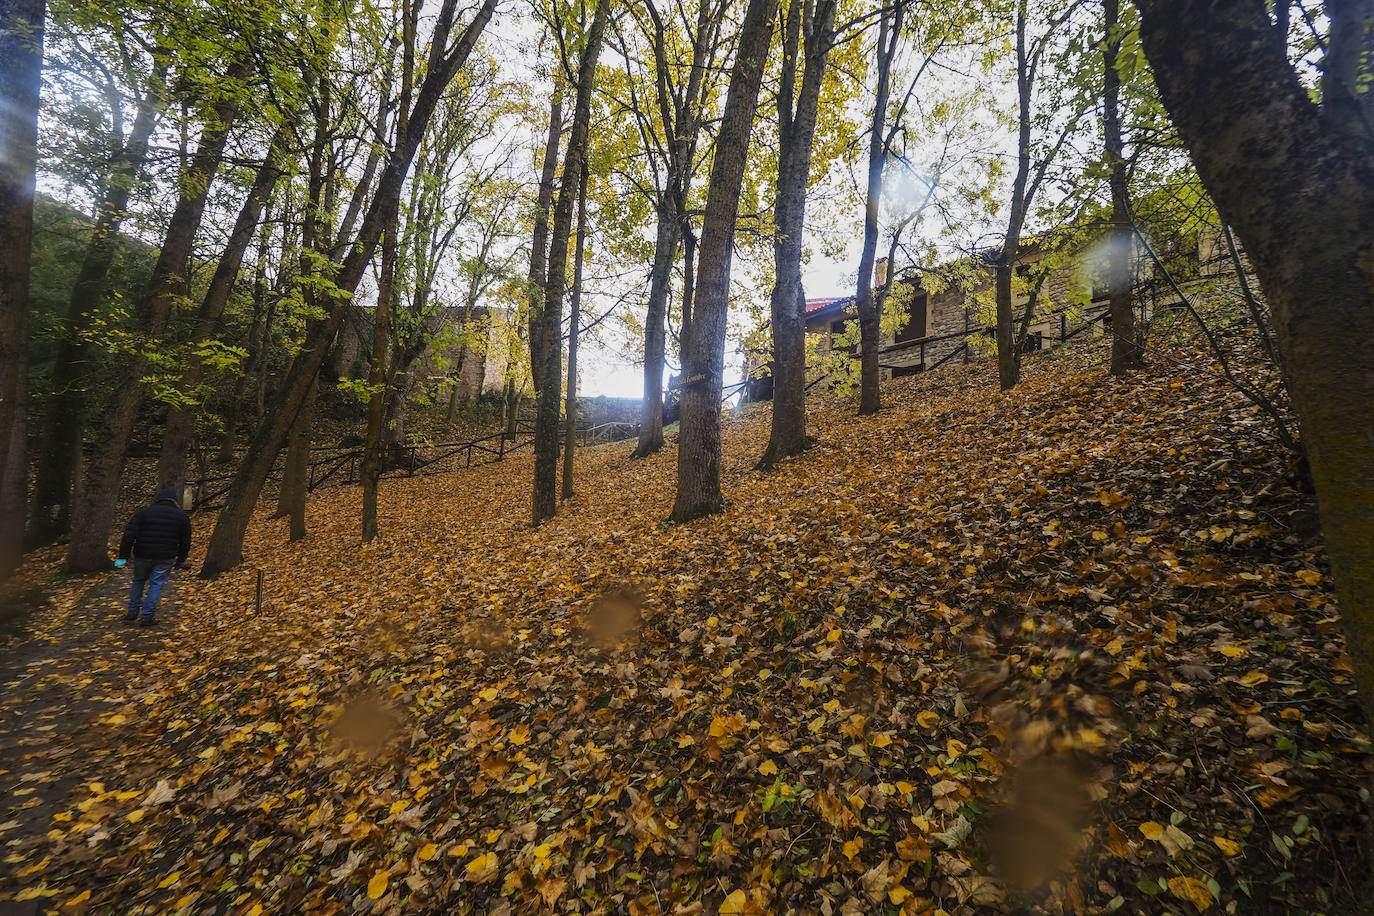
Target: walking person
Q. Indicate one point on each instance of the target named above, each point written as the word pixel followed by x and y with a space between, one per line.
pixel 158 537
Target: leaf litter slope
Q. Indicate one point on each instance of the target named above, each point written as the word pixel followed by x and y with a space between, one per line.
pixel 1064 650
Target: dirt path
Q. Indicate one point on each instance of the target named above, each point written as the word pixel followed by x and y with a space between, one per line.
pixel 73 668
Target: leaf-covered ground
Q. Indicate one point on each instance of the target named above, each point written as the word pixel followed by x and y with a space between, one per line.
pixel 1070 650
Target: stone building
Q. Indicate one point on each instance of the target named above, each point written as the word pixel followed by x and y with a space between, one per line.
pixel 467 351
pixel 954 319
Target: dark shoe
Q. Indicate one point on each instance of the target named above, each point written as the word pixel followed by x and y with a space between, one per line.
pixel 130 617
pixel 147 620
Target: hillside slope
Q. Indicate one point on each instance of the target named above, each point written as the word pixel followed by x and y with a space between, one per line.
pixel 1070 649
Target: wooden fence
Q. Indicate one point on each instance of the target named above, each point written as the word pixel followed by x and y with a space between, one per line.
pixel 343 468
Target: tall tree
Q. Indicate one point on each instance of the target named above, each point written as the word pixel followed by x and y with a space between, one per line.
pixel 698 457
pixel 1125 350
pixel 181 418
pixel 63 428
pixel 93 512
pixel 671 140
pixel 1292 172
pixel 574 319
pixel 21 69
pixel 446 58
pixel 378 381
pixel 1032 165
pixel 378 374
pixel 889 36
pixel 539 246
pixel 796 132
pixel 550 393
pixel 312 257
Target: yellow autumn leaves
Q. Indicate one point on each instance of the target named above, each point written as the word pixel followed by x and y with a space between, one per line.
pixel 1191 890
pixel 480 869
pixel 1175 841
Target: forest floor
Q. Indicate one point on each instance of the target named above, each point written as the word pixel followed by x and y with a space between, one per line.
pixel 1072 649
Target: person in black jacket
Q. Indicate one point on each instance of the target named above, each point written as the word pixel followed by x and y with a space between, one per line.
pixel 157 538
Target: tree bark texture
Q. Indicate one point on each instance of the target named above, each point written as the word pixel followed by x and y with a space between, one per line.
pixel 539 246
pixel 94 510
pixel 1295 179
pixel 1125 348
pixel 870 325
pixel 181 420
pixel 574 318
pixel 258 335
pixel 680 113
pixel 689 291
pixel 550 392
pixel 1008 353
pixel 53 489
pixel 21 79
pixel 225 549
pixel 397 405
pixel 698 457
pixel 656 335
pixel 378 382
pixel 796 132
pixel 295 479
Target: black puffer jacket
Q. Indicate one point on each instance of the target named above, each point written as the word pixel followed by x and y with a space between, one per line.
pixel 158 532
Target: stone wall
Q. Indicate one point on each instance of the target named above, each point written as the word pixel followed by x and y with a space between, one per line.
pixel 960 314
pixel 600 410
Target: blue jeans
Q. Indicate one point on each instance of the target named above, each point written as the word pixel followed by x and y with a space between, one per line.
pixel 153 575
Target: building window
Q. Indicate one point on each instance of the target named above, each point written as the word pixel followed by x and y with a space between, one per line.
pixel 915 327
pixel 1033 343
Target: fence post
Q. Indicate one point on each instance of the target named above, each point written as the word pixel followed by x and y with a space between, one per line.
pixel 257 604
pixel 500 455
pixel 469 454
pixel 1063 327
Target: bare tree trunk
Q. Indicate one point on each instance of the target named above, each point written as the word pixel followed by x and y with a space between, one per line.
pixel 689 291
pixel 539 246
pixel 181 420
pixel 226 541
pixel 1303 207
pixel 260 383
pixel 453 392
pixel 512 407
pixel 378 382
pixel 574 316
pixel 397 407
pixel 257 353
pixel 21 78
pixel 546 420
pixel 889 36
pixel 295 481
pixel 1030 175
pixel 787 435
pixel 698 456
pixel 1125 347
pixel 67 410
pixel 680 111
pixel 93 512
pixel 655 335
pixel 1008 353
